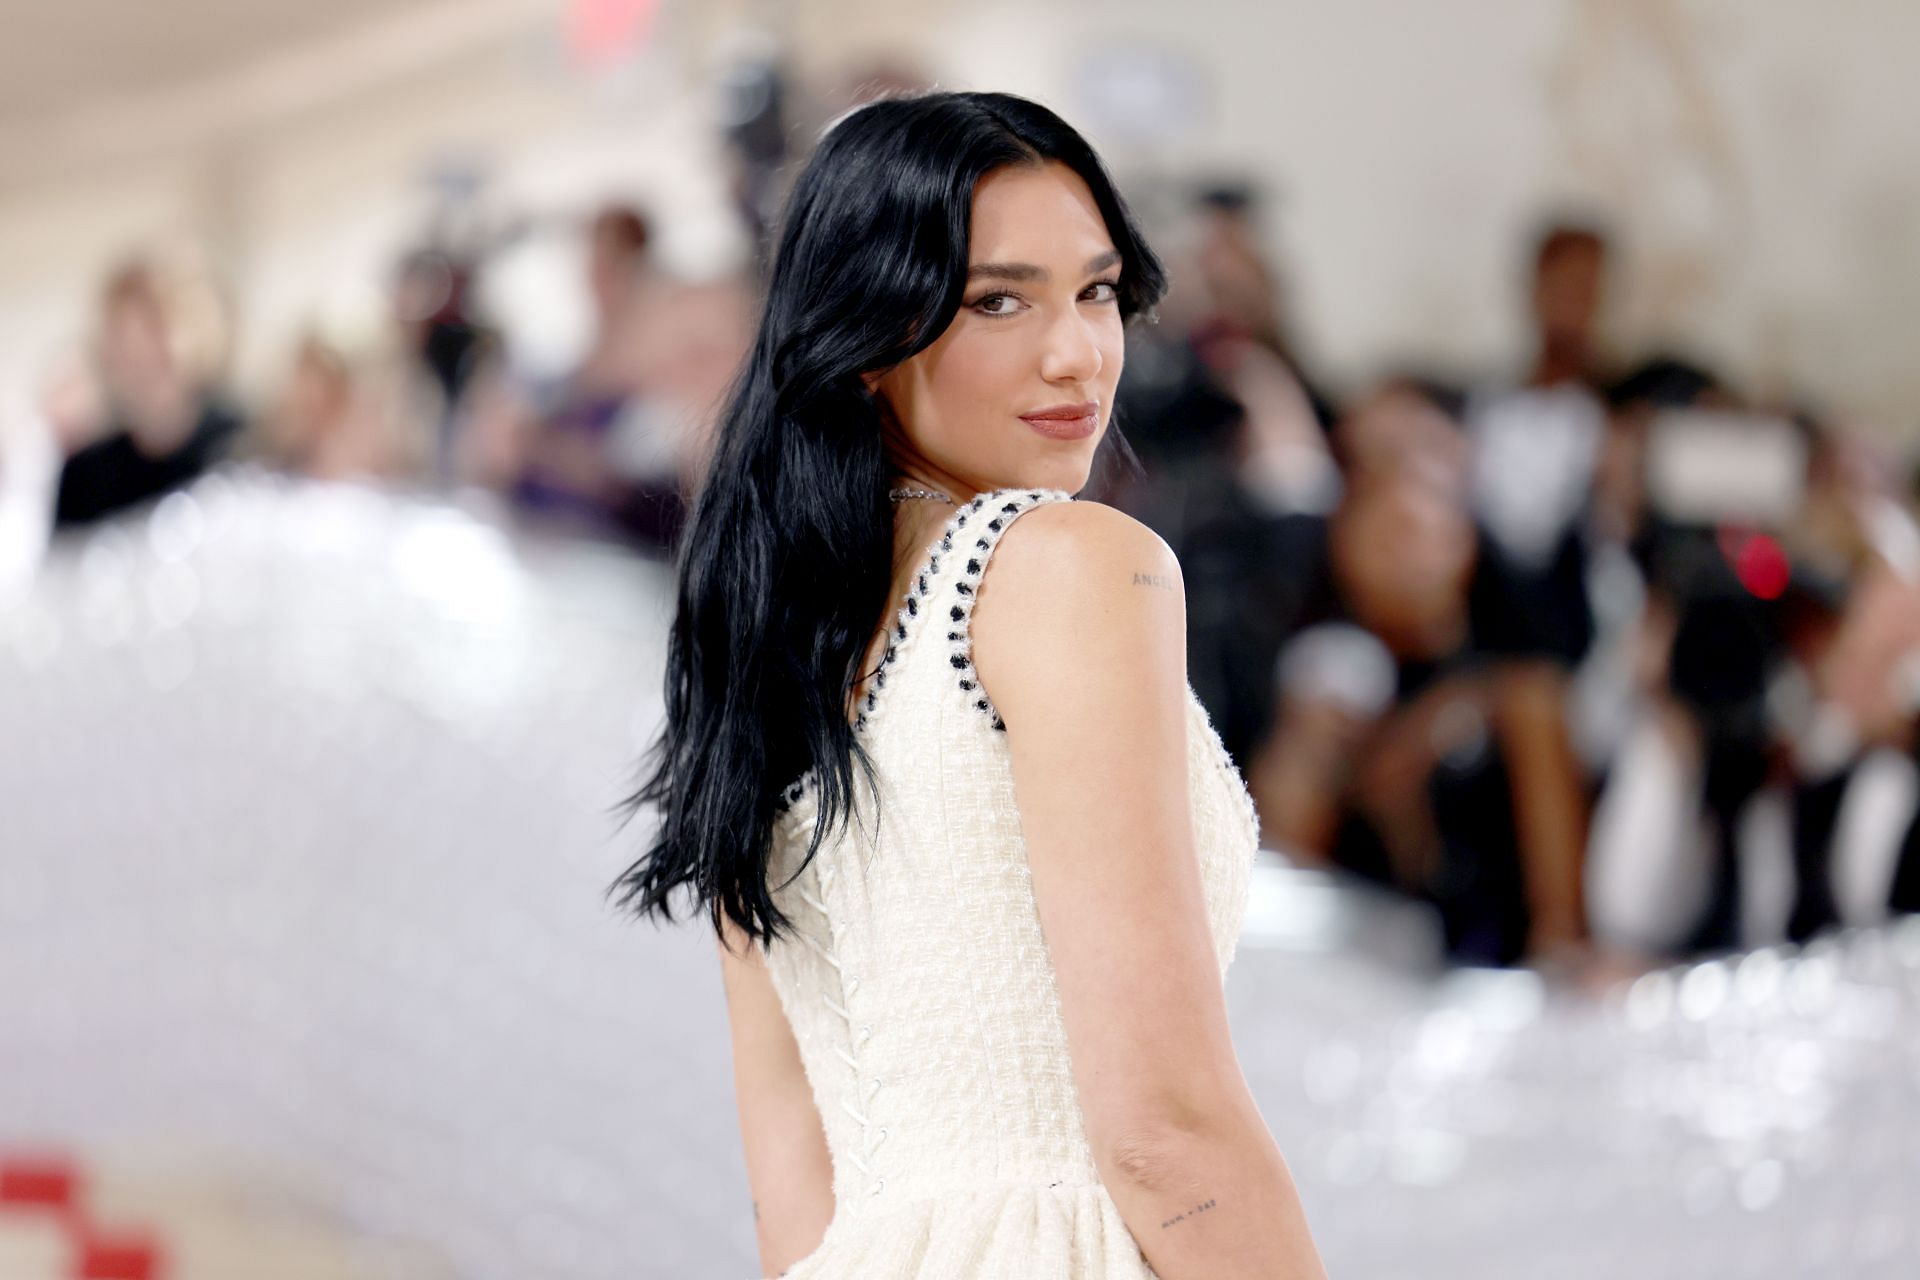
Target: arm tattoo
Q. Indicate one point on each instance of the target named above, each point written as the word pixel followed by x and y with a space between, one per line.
pixel 1153 580
pixel 1200 1208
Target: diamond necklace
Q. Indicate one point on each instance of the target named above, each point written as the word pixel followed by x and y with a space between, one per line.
pixel 900 495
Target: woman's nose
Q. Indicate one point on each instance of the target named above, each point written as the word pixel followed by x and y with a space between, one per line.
pixel 1072 350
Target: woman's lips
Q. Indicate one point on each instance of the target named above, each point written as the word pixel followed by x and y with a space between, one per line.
pixel 1065 421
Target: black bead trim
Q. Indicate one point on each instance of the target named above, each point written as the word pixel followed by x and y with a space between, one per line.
pixel 966 585
pixel 958 638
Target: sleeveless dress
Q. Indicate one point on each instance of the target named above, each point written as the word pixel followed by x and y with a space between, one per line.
pixel 918 984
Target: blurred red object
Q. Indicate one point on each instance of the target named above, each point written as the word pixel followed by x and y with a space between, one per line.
pixel 601 33
pixel 122 1258
pixel 42 1182
pixel 52 1184
pixel 1759 562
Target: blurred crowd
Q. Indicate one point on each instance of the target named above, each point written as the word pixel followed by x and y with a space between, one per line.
pixel 435 400
pixel 1532 650
pixel 1543 651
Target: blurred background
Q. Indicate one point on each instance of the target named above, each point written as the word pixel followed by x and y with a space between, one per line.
pixel 1535 414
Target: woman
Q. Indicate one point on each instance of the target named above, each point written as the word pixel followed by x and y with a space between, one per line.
pixel 973 1036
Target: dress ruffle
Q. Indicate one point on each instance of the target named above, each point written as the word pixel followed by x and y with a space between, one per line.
pixel 1032 1233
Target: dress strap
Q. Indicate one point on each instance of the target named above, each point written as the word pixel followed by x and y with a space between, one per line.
pixel 942 597
pixel 977 530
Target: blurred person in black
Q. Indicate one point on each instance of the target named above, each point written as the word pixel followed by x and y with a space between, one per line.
pixel 1401 749
pixel 1702 645
pixel 447 346
pixel 1536 448
pixel 1218 387
pixel 1521 468
pixel 1233 466
pixel 1775 647
pixel 1242 288
pixel 163 423
pixel 1712 646
pixel 1853 634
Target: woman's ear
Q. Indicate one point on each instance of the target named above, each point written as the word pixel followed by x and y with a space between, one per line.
pixel 871 381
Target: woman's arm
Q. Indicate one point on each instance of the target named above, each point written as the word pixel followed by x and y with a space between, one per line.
pixel 1080 638
pixel 788 1167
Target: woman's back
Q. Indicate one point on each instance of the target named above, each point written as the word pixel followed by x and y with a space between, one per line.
pixel 917 980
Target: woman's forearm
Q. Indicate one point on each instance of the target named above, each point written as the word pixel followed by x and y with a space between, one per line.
pixel 789 1238
pixel 1213 1201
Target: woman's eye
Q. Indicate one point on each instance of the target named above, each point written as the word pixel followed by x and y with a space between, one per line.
pixel 1006 304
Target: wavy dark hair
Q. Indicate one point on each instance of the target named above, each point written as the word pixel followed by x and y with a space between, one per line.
pixel 784 569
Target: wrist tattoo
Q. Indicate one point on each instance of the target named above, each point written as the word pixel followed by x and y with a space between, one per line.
pixel 1202 1207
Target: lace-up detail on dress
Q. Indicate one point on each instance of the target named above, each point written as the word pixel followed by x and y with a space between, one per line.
pixel 860 1105
pixel 917 980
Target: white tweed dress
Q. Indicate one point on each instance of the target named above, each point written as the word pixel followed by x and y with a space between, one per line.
pixel 918 983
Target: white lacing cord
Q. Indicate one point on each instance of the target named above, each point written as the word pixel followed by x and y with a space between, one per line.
pixel 848 985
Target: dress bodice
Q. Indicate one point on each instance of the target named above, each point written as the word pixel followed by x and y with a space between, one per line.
pixel 917 981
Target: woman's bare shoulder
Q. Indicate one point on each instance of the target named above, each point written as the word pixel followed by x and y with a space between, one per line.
pixel 1079 546
pixel 1073 583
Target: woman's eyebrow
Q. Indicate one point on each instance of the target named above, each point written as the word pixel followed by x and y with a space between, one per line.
pixel 1025 271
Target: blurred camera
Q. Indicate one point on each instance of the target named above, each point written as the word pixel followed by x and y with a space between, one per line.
pixel 1718 467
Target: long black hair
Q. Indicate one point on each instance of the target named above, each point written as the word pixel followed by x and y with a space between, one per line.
pixel 785 566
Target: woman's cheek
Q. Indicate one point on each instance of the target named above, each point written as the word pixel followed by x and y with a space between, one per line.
pixel 1113 359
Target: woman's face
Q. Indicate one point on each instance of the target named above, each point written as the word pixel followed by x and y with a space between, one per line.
pixel 1019 388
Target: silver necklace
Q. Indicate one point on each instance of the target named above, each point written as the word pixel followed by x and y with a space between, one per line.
pixel 901 494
